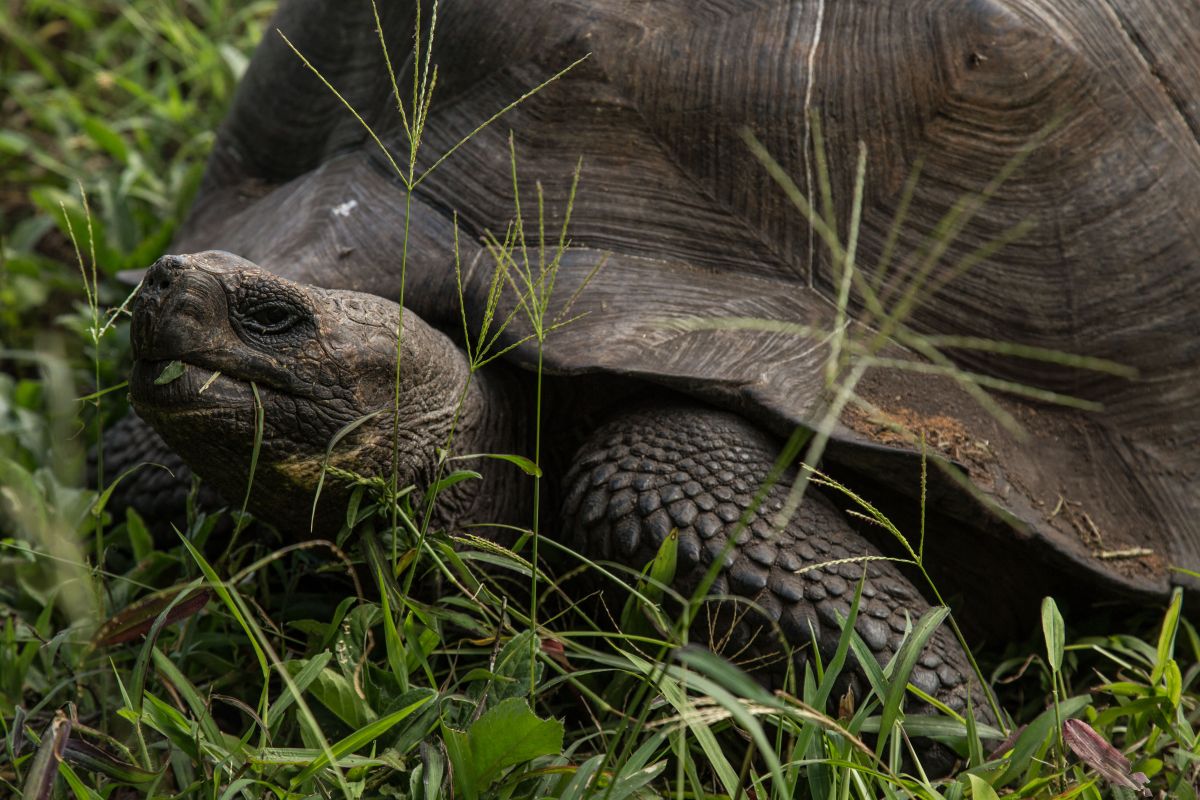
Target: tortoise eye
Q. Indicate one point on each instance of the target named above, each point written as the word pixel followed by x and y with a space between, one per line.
pixel 270 318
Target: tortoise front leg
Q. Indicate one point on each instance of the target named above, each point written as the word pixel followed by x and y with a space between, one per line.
pixel 696 470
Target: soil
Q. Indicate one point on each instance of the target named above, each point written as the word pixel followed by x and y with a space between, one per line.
pixel 1060 473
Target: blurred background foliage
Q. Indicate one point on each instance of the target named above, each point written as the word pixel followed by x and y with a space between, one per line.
pixel 120 100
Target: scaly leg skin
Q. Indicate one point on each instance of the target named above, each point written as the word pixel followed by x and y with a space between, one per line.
pixel 696 470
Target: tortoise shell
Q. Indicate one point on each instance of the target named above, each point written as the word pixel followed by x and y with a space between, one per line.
pixel 1098 101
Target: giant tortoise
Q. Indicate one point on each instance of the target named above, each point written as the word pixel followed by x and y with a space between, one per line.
pixel 659 420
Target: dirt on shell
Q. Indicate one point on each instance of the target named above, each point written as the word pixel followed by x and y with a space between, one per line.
pixel 1060 472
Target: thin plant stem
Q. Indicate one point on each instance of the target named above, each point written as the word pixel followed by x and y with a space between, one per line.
pixel 537 501
pixel 395 478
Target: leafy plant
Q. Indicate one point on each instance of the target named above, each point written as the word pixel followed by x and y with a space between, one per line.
pixel 461 668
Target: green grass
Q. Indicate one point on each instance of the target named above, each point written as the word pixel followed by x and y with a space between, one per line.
pixel 400 661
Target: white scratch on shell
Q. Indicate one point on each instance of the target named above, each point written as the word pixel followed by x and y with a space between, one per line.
pixel 808 90
pixel 344 209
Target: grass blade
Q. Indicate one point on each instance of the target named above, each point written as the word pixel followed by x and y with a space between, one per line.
pixel 39 783
pixel 364 735
pixel 901 668
pixel 1054 632
pixel 1166 638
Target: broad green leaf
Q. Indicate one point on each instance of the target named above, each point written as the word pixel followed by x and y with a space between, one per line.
pixel 329 631
pixel 1124 689
pixel 627 781
pixel 356 498
pixel 107 138
pixel 393 645
pixel 511 673
pixel 139 535
pixel 1054 632
pixel 525 464
pixel 1160 704
pixel 656 575
pixel 974 743
pixel 13 143
pixel 156 242
pixel 458 751
pixel 334 692
pixel 577 787
pixel 869 664
pixel 820 776
pixel 506 736
pixel 431 775
pixel 23 495
pixel 1173 679
pixel 980 790
pixel 363 736
pixel 662 568
pixel 234 59
pixel 171 372
pixel 421 642
pixel 165 719
pixel 351 636
pixel 238 788
pixel 1166 637
pixel 458 476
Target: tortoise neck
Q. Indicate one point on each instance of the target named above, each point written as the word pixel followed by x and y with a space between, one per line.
pixel 490 421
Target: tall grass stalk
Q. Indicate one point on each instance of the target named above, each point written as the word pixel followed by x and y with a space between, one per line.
pixel 91 288
pixel 413 119
pixel 534 292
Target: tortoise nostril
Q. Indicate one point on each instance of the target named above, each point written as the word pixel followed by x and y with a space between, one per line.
pixel 162 273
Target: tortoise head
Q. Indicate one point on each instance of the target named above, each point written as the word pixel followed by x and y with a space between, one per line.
pixel 315 360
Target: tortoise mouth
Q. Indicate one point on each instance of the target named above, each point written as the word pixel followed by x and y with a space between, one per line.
pixel 152 386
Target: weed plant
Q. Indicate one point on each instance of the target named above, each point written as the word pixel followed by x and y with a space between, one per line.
pixel 400 660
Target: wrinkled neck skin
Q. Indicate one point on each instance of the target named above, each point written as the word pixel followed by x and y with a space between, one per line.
pixel 479 419
pixel 321 365
pixel 444 407
pixel 488 425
